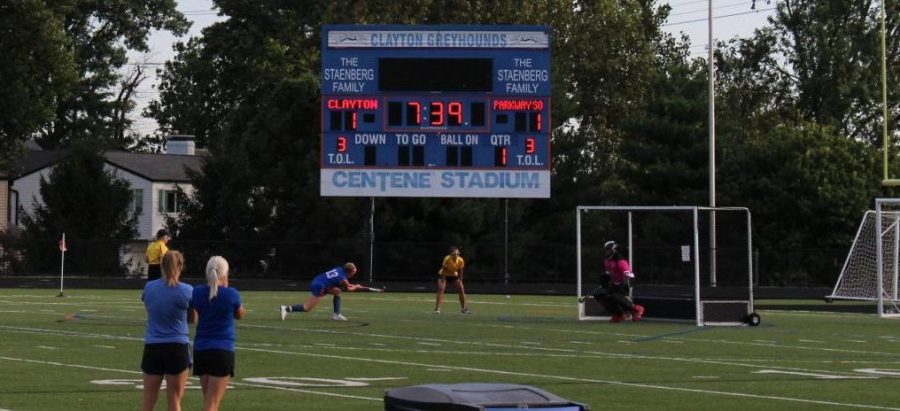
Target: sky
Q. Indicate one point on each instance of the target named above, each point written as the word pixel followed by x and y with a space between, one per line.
pixel 731 18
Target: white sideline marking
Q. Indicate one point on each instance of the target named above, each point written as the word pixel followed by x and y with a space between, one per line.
pixel 812 341
pixel 105 346
pixel 447 368
pixel 819 376
pixel 579 380
pixel 376 379
pixel 429 343
pixel 88 367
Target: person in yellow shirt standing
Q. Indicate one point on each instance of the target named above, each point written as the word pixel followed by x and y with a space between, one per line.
pixel 154 254
pixel 451 272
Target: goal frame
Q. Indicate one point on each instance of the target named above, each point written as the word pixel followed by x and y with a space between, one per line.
pixel 700 305
pixel 884 298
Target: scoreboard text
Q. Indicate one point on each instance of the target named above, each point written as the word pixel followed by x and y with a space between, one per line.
pixel 436 111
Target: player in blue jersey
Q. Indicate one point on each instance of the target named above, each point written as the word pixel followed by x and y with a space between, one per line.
pixel 216 305
pixel 329 282
pixel 167 353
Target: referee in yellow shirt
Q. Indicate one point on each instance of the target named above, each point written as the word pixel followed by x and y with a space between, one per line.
pixel 451 272
pixel 155 251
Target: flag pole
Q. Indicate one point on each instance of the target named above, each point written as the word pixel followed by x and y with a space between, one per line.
pixel 62 264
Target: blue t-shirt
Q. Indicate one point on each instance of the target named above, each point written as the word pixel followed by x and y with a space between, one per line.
pixel 331 278
pixel 215 325
pixel 167 309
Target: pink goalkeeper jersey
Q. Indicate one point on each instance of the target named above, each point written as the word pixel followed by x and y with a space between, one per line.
pixel 618 269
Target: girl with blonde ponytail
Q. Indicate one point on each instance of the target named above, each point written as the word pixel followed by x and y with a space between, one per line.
pixel 216 267
pixel 216 305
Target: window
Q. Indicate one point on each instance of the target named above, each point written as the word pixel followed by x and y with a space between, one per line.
pixel 137 201
pixel 169 201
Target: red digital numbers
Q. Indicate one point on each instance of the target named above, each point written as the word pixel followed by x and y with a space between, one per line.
pixel 436 113
pixel 454 111
pixel 443 114
pixel 529 145
pixel 341 144
pixel 414 113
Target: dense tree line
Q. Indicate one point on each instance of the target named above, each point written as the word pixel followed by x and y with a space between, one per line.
pixel 798 122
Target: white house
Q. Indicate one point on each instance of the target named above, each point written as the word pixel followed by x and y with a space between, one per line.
pixel 154 179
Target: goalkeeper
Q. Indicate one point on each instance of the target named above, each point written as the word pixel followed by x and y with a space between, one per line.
pixel 616 282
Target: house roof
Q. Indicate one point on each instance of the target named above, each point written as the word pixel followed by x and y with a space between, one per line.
pixel 153 167
pixel 156 167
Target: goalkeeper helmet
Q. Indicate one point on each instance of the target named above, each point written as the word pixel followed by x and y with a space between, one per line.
pixel 610 245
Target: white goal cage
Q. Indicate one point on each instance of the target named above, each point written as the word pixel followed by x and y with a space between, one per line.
pixel 870 272
pixel 684 270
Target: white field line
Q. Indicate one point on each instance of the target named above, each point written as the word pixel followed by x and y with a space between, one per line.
pixel 579 380
pixel 430 341
pixel 235 383
pixel 501 372
pixel 755 343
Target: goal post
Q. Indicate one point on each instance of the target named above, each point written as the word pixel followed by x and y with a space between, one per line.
pixel 681 274
pixel 872 267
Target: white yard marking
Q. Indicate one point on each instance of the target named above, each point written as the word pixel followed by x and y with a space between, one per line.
pixel 87 367
pixel 429 343
pixel 812 341
pixel 47 348
pixel 583 380
pixel 821 376
pixel 109 347
pixel 376 379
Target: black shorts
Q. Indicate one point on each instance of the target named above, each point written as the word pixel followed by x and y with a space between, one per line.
pixel 217 363
pixel 166 358
pixel 449 278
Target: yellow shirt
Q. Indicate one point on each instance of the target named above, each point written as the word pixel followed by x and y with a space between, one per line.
pixel 155 251
pixel 452 267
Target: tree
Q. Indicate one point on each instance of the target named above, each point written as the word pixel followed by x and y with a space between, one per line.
pixel 818 61
pixel 98 33
pixel 89 204
pixel 38 71
pixel 807 187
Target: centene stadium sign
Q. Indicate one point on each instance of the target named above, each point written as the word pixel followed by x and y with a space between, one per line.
pixel 435 111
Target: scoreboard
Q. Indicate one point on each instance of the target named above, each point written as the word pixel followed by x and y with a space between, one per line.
pixel 435 111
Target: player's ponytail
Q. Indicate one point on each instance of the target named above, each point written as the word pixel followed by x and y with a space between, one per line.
pixel 216 267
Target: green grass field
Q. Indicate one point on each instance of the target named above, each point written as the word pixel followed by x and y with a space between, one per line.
pixel 82 352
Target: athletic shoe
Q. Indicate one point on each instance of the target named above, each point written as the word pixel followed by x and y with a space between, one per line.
pixel 437 312
pixel 617 318
pixel 284 312
pixel 465 311
pixel 338 317
pixel 638 313
pixel 581 299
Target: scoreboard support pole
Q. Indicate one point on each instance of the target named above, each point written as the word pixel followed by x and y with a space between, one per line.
pixel 371 235
pixel 506 244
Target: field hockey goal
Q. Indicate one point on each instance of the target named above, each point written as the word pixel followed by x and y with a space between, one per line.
pixel 870 272
pixel 690 263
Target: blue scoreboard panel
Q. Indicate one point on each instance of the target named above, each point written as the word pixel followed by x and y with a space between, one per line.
pixel 435 111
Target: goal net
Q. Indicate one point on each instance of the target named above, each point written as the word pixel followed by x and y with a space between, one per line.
pixel 690 263
pixel 870 272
